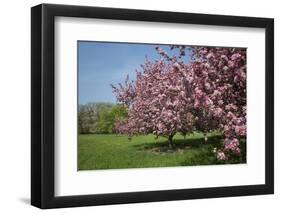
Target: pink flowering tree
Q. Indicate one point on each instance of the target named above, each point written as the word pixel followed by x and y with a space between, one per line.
pixel 159 101
pixel 206 94
pixel 220 90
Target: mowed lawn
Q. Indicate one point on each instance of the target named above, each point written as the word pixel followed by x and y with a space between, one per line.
pixel 111 151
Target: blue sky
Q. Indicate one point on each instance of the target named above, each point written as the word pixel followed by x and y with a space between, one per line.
pixel 103 63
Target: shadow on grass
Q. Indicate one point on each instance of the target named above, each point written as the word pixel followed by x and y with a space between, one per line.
pixel 179 145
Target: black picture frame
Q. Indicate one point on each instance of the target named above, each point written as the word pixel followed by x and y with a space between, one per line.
pixel 43 110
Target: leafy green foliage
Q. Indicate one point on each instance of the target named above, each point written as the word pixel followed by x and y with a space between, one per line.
pixel 108 117
pixel 99 117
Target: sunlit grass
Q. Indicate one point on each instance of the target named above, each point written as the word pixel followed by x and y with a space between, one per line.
pixel 110 151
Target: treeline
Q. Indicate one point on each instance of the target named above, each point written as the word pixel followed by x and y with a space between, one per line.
pixel 99 117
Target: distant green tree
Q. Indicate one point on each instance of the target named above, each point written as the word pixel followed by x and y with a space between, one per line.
pixel 89 116
pixel 99 117
pixel 108 117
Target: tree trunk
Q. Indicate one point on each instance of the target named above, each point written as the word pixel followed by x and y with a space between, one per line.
pixel 170 141
pixel 205 137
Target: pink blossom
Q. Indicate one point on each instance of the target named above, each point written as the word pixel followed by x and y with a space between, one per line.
pixel 235 56
pixel 221 156
pixel 218 112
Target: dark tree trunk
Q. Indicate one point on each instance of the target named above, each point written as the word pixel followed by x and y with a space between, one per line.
pixel 170 141
pixel 205 137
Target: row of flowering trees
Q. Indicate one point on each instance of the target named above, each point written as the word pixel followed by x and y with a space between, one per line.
pixel 169 96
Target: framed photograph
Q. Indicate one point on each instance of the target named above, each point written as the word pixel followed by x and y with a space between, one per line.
pixel 139 106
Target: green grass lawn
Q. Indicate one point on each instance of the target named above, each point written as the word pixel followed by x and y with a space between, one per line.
pixel 110 151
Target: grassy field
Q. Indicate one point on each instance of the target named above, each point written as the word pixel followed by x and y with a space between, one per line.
pixel 110 151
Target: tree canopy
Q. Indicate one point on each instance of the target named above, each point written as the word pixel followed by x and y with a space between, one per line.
pixel 208 93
